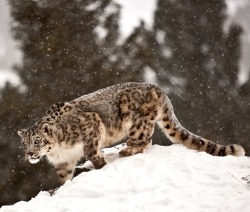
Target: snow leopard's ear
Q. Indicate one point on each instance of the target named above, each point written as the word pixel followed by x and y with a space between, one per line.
pixel 22 133
pixel 46 130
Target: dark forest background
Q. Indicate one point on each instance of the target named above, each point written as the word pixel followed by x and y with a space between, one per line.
pixel 195 60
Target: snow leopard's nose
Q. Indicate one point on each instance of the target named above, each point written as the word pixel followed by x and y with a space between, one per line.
pixel 30 154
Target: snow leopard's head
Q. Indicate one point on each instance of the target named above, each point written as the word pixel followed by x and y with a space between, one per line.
pixel 36 141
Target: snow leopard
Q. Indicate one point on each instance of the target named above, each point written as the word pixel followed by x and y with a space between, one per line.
pixel 80 128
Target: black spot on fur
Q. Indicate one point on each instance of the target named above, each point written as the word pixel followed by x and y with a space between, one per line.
pixel 124 115
pixel 222 151
pixel 46 141
pixel 139 125
pixel 141 136
pixel 59 104
pixel 67 108
pixel 89 155
pixel 232 149
pixel 165 110
pixel 211 147
pixel 91 145
pixel 166 118
pixel 83 127
pixel 96 143
pixel 133 126
pixel 194 141
pixel 94 152
pixel 75 135
pixel 73 127
pixel 69 171
pixel 172 134
pixel 158 93
pixel 200 143
pixel 167 126
pixel 152 118
pixel 132 133
pixel 72 141
pixel 184 135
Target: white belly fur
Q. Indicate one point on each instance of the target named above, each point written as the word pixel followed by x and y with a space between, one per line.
pixel 66 154
pixel 117 135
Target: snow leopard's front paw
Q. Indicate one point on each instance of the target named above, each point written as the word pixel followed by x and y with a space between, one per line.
pixel 52 191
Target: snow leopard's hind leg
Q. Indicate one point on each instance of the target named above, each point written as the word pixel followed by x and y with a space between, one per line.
pixel 139 137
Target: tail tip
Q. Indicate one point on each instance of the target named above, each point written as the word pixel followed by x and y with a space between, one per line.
pixel 235 150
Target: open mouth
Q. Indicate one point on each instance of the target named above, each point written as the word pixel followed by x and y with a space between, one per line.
pixel 34 160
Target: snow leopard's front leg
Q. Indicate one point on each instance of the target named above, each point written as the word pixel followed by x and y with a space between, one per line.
pixel 65 171
pixel 93 135
pixel 93 153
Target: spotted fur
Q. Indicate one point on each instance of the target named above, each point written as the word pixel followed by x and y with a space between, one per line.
pixel 82 127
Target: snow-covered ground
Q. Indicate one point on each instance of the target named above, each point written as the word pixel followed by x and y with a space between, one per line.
pixel 162 179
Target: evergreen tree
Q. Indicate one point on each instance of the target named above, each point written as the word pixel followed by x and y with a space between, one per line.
pixel 202 66
pixel 64 57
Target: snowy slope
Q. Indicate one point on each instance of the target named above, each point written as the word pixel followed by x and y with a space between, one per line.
pixel 162 179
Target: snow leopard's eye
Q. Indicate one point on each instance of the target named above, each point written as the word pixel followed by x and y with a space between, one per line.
pixel 36 142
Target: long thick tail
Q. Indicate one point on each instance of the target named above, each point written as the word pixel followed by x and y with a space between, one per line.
pixel 178 134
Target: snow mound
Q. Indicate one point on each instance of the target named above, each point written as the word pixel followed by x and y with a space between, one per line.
pixel 162 179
